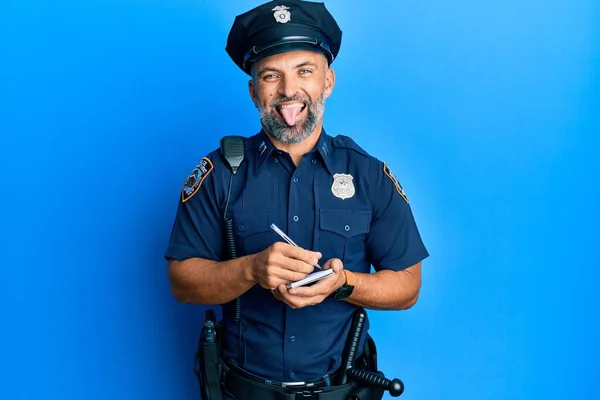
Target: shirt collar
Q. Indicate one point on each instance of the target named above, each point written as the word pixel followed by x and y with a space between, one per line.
pixel 264 147
pixel 325 148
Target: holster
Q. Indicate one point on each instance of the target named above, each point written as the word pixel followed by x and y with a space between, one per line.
pixel 368 358
pixel 208 363
pixel 367 361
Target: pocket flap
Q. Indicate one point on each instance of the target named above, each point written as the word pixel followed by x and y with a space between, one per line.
pixel 346 223
pixel 251 222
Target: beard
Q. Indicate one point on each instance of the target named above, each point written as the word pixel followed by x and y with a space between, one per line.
pixel 284 133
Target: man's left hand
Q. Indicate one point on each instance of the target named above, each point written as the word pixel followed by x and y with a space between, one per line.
pixel 311 295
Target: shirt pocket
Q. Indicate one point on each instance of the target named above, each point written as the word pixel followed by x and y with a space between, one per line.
pixel 343 234
pixel 252 231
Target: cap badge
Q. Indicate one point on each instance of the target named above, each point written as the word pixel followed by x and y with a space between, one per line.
pixel 342 187
pixel 281 14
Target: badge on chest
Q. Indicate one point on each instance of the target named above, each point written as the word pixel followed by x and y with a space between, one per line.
pixel 343 186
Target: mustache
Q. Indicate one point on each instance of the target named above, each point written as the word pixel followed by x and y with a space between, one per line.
pixel 296 97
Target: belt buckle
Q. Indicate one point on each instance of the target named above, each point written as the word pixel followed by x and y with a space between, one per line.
pixel 292 385
pixel 308 394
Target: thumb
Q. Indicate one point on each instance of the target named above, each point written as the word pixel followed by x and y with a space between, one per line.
pixel 335 264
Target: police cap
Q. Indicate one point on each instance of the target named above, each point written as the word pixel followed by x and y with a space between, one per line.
pixel 280 26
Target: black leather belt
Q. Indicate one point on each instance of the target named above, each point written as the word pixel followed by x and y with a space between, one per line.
pixel 244 386
pixel 317 383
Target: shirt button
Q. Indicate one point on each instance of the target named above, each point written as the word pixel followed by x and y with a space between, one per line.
pixel 241 227
pixel 276 159
pixel 295 180
pixel 293 338
pixel 296 218
pixel 347 228
pixel 314 161
pixel 292 375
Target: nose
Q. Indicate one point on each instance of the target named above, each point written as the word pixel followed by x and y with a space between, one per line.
pixel 288 85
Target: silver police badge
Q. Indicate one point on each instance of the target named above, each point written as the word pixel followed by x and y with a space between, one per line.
pixel 342 187
pixel 281 14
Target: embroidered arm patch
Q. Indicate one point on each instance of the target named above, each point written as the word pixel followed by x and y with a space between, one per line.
pixel 394 180
pixel 195 179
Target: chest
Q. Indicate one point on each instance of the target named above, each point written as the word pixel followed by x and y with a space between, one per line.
pixel 319 210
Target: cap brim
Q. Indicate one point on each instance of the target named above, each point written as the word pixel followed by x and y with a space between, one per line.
pixel 284 48
pixel 287 37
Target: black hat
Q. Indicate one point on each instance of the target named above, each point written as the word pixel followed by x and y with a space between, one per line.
pixel 279 26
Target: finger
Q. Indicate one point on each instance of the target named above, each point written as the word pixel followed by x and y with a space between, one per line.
pixel 301 266
pixel 320 288
pixel 282 292
pixel 335 263
pixel 300 301
pixel 292 264
pixel 285 276
pixel 298 253
pixel 275 293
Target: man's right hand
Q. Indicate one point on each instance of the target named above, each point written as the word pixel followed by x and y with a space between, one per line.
pixel 282 263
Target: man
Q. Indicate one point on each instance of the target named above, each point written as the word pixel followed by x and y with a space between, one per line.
pixel 344 209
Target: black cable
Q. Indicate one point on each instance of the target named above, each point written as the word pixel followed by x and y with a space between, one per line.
pixel 227 201
pixel 230 244
pixel 232 149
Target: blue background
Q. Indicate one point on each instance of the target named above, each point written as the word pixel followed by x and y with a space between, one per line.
pixel 488 112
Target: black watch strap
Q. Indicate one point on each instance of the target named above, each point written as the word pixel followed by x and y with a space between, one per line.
pixel 343 292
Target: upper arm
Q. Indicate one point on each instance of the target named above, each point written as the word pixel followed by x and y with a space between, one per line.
pixel 394 241
pixel 413 276
pixel 197 230
pixel 181 273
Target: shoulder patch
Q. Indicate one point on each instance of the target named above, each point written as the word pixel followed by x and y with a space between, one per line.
pixel 195 179
pixel 394 180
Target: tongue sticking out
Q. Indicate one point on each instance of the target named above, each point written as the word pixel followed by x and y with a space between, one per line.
pixel 291 113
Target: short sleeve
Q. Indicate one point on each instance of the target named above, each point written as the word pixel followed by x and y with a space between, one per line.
pixel 394 241
pixel 198 228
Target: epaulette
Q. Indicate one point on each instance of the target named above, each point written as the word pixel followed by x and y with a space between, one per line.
pixel 347 142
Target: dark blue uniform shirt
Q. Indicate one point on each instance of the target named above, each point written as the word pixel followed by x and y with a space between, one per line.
pixel 363 219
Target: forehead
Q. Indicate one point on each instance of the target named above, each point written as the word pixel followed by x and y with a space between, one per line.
pixel 291 59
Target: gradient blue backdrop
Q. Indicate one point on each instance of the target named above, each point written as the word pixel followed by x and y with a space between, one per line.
pixel 488 112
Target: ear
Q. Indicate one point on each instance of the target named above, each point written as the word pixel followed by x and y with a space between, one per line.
pixel 329 81
pixel 252 91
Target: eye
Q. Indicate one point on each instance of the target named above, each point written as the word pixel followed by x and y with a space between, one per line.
pixel 269 77
pixel 305 72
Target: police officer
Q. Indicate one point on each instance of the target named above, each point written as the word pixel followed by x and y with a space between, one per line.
pixel 343 207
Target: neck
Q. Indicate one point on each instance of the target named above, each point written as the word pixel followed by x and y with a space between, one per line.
pixel 297 150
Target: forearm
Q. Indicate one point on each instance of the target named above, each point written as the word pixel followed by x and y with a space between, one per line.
pixel 387 290
pixel 201 281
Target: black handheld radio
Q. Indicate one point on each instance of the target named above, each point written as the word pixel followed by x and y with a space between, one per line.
pixel 208 357
pixel 232 149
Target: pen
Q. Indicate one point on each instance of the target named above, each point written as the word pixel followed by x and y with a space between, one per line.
pixel 287 238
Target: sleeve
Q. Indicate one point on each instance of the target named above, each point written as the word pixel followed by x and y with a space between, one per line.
pixel 394 242
pixel 198 227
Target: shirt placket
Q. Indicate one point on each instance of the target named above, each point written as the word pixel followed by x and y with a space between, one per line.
pixel 301 229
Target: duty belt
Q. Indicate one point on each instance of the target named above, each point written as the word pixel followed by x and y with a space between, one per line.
pixel 244 386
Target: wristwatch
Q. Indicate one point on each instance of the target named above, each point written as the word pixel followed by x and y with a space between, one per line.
pixel 346 289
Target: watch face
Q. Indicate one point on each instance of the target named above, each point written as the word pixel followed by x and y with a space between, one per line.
pixel 343 292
